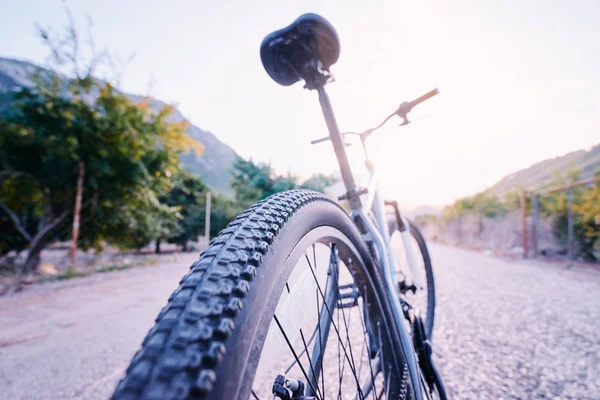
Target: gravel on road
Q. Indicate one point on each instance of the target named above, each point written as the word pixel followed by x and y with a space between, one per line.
pixel 516 329
pixel 74 339
pixel 504 329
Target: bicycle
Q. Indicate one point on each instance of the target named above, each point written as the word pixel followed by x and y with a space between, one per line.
pixel 259 315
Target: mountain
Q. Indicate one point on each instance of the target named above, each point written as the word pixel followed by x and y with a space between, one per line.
pixel 212 166
pixel 541 173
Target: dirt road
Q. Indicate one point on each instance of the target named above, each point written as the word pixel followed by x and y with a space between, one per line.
pixel 504 329
pixel 73 339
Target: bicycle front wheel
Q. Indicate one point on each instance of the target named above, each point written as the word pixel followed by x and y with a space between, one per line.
pixel 285 297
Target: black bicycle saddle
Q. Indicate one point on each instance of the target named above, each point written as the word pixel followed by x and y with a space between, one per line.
pixel 291 53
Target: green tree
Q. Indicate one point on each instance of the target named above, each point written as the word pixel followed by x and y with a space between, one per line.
pixel 586 214
pixel 49 131
pixel 251 181
pixel 488 206
pixel 458 209
pixel 223 211
pixel 188 196
pixel 128 152
pixel 588 209
pixel 255 181
pixel 318 182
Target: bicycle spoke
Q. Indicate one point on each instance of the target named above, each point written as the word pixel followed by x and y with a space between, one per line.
pixel 352 364
pixel 340 367
pixel 323 325
pixel 347 326
pixel 387 381
pixel 309 360
pixel 370 385
pixel 362 356
pixel 331 316
pixel 348 342
pixel 387 386
pixel 312 337
pixel 254 394
pixel 294 354
pixel 319 324
pixel 366 304
pixel 328 301
pixel 320 337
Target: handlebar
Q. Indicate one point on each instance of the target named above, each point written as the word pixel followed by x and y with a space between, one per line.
pixel 402 112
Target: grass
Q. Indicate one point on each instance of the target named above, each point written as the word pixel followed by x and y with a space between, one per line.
pixel 69 274
pixel 6 281
pixel 117 267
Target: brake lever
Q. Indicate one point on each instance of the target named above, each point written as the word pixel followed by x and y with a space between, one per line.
pixel 402 111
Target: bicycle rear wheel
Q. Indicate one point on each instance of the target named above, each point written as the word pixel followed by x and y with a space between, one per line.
pixel 421 298
pixel 288 288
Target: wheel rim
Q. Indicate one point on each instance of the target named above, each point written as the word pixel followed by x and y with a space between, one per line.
pixel 346 370
pixel 419 300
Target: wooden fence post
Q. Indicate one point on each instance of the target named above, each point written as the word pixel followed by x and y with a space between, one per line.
pixel 535 229
pixel 570 231
pixel 76 214
pixel 524 224
pixel 207 217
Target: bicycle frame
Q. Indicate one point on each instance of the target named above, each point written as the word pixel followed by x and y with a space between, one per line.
pixel 374 232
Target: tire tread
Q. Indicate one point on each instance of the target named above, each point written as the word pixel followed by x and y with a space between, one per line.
pixel 180 353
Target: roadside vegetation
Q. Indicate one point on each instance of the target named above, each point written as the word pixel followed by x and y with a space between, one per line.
pixel 80 163
pixel 491 221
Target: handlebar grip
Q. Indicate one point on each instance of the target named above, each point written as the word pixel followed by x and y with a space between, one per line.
pixel 424 97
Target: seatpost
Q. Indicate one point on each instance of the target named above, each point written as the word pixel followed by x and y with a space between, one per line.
pixel 339 147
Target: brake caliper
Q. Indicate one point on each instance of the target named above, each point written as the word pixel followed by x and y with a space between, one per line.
pixel 289 389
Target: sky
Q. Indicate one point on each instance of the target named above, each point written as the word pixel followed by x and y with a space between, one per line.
pixel 519 80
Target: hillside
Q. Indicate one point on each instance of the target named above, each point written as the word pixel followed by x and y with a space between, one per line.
pixel 212 167
pixel 543 172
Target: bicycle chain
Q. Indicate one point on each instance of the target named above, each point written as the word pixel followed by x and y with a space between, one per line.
pixel 404 384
